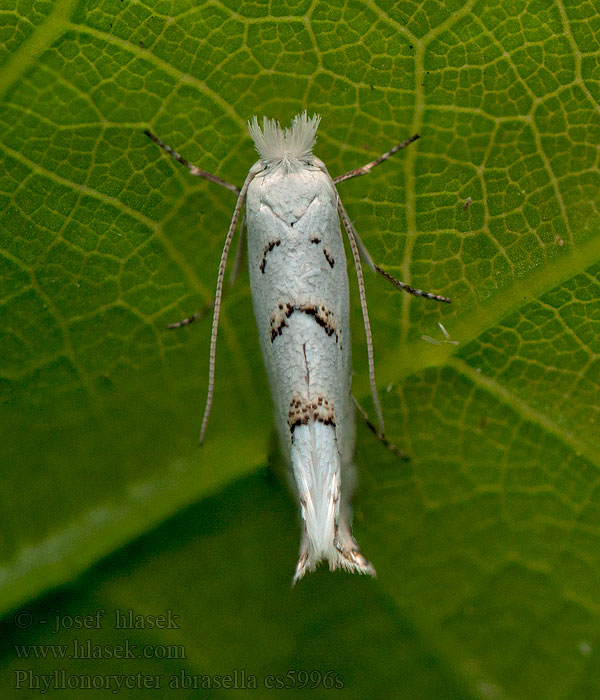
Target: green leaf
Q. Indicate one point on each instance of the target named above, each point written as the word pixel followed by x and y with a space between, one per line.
pixel 486 543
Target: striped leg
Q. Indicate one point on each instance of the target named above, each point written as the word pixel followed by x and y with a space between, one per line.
pixel 364 253
pixel 194 170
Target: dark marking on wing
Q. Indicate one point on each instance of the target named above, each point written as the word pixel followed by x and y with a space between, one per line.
pixel 303 411
pixel 328 257
pixel 268 249
pixel 279 319
pixel 322 315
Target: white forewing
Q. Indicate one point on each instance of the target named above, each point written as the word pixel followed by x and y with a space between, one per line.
pixel 300 293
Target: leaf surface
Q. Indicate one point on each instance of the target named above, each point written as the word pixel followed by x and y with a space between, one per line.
pixel 486 543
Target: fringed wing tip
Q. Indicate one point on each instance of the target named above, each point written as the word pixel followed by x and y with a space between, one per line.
pixel 351 561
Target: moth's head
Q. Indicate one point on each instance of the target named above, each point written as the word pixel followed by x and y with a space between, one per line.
pixel 289 149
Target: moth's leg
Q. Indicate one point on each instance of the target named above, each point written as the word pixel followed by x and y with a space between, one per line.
pixel 200 313
pixel 411 290
pixel 194 170
pixel 364 253
pixel 363 305
pixel 386 443
pixel 357 172
pixel 197 172
pixel 239 254
pixel 356 253
pixel 366 256
pixel 203 310
pixel 216 304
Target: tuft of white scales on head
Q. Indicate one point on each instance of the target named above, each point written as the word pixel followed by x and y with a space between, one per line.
pixel 289 148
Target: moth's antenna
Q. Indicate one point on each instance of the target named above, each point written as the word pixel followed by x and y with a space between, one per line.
pixel 218 295
pixel 363 305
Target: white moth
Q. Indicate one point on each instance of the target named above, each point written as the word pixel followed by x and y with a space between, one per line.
pixel 299 284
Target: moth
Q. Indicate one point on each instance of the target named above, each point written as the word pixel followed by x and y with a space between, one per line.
pixel 300 293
